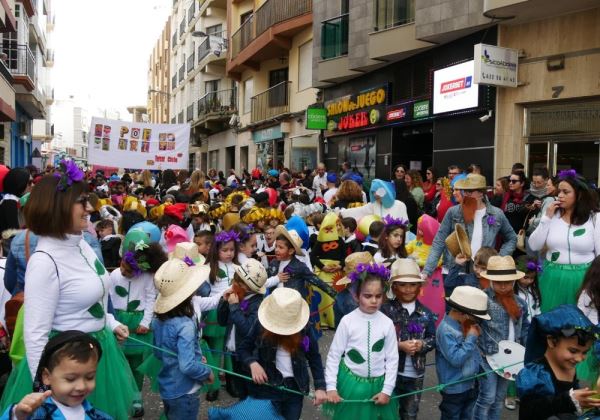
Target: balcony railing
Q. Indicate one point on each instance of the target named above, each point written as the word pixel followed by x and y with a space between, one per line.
pixel 221 101
pixel 181 73
pixel 390 13
pixel 215 43
pixel 269 14
pixel 174 82
pixel 191 11
pixel 334 37
pixel 271 103
pixel 182 27
pixel 20 61
pixel 180 118
pixel 190 62
pixel 174 40
pixel 190 113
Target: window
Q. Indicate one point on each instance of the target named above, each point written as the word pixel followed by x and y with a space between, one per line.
pixel 248 94
pixel 214 30
pixel 211 86
pixel 192 162
pixel 245 17
pixel 305 66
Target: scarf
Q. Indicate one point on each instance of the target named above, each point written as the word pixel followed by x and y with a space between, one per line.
pixel 512 196
pixel 538 192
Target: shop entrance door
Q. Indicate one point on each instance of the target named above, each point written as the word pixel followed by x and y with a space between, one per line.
pixel 557 155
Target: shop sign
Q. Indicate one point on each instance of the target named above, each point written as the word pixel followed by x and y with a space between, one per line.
pixel 496 66
pixel 396 113
pixel 365 99
pixel 316 118
pixel 355 120
pixel 454 89
pixel 420 109
pixel 267 134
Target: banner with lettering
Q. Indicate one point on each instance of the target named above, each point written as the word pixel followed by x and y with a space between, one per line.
pixel 138 145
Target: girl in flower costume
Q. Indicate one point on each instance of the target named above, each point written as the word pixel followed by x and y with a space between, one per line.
pixel 133 295
pixel 327 258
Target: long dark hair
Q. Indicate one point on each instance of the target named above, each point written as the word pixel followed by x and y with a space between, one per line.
pixel 586 200
pixel 360 284
pixel 185 309
pixel 213 259
pixel 534 288
pixel 384 246
pixel 591 284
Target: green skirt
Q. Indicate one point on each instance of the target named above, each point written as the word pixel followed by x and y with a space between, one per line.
pixel 353 387
pixel 132 319
pixel 212 327
pixel 559 284
pixel 115 386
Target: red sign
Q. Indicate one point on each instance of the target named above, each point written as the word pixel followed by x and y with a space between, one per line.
pixel 396 113
pixel 351 121
pixel 458 84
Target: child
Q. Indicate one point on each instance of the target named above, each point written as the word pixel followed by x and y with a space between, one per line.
pixel 375 231
pixel 457 357
pixel 316 220
pixel 367 340
pixel 266 247
pixel 69 354
pixel 176 329
pixel 247 244
pixel 415 330
pixel 203 239
pixel 588 300
pixel 547 386
pixel 352 244
pixel 456 276
pixel 345 301
pixel 276 351
pixel 132 294
pixel 391 242
pixel 109 243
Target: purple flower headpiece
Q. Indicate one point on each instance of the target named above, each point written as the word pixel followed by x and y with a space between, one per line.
pixel 362 270
pixel 572 174
pixel 227 236
pixel 67 173
pixel 390 220
pixel 188 261
pixel 533 266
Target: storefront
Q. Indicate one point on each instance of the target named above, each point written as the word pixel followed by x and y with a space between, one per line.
pixel 269 143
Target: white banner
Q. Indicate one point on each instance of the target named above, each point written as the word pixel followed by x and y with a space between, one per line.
pixel 132 145
pixel 454 89
pixel 496 66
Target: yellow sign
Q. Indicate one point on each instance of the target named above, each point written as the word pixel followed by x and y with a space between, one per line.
pixel 376 96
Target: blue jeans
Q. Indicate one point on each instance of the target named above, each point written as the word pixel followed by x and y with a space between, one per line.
pixel 409 406
pixel 492 391
pixel 458 406
pixel 287 404
pixel 183 408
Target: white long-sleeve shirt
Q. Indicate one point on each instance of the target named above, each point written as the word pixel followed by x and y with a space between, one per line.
pixel 397 210
pixel 362 333
pixel 124 291
pixel 587 307
pixel 223 283
pixel 567 244
pixel 61 302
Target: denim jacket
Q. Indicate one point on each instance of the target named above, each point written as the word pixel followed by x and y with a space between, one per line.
pixel 49 411
pixel 254 348
pixel 16 263
pixel 301 277
pixel 496 329
pixel 243 319
pixel 494 224
pixel 456 357
pixel 180 373
pixel 421 316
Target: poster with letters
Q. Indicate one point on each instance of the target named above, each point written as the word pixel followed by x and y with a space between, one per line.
pixel 135 145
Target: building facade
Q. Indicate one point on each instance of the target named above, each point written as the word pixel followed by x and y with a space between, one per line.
pixel 159 78
pixel 8 114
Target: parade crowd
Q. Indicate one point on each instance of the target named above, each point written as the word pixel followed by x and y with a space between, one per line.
pixel 211 283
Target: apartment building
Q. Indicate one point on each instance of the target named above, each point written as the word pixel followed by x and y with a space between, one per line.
pixel 271 59
pixel 7 92
pixel 159 78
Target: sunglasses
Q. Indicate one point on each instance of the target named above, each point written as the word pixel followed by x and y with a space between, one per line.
pixel 83 200
pixel 514 181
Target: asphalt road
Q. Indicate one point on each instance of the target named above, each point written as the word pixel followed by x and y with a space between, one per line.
pixel 428 408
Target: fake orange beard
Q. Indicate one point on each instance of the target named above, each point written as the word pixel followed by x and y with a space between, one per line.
pixel 466 325
pixel 484 283
pixel 239 291
pixel 469 206
pixel 509 303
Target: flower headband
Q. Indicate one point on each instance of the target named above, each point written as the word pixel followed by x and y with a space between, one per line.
pixel 533 266
pixel 137 265
pixel 390 220
pixel 67 173
pixel 362 270
pixel 227 236
pixel 573 175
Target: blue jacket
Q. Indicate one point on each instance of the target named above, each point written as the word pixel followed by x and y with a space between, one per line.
pixel 300 277
pixel 180 373
pixel 499 228
pixel 230 315
pixel 14 275
pixel 457 357
pixel 49 411
pixel 496 329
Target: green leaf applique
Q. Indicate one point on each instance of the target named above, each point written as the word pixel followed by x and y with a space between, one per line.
pixel 99 268
pixel 121 291
pixel 96 310
pixel 355 356
pixel 378 346
pixel 579 232
pixel 222 274
pixel 132 306
pixel 555 255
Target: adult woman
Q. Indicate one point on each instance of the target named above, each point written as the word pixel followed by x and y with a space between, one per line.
pixel 169 181
pixel 383 202
pixel 483 223
pixel 429 184
pixel 500 188
pixel 147 179
pixel 348 195
pixel 16 183
pixel 197 180
pixel 571 234
pixel 412 208
pixel 513 202
pixel 432 208
pixel 66 288
pixel 414 183
pixel 400 171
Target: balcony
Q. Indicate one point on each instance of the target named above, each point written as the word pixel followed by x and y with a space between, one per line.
pixel 190 113
pixel 215 109
pixel 205 6
pixel 21 63
pixel 182 27
pixel 214 43
pixel 174 40
pixel 334 37
pixel 49 96
pixel 180 118
pixel 173 82
pixel 191 62
pixel 191 11
pixel 181 73
pixel 268 33
pixel 271 103
pixel 29 6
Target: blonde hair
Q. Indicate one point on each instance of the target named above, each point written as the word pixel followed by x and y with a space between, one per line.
pixel 415 176
pixel 349 191
pixel 197 180
pixel 483 255
pixel 147 178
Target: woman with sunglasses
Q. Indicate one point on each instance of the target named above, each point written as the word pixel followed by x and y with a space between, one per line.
pixel 66 288
pixel 399 172
pixel 514 204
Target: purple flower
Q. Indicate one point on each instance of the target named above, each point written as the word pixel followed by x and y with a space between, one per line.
pixel 305 343
pixel 414 328
pixel 362 270
pixel 491 220
pixel 188 261
pixel 129 258
pixel 389 220
pixel 72 171
pixel 244 305
pixel 227 236
pixel 67 173
pixel 533 266
pixel 567 173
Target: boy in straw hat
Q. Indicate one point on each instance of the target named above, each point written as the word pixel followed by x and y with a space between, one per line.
pixel 415 330
pixel 457 356
pixel 508 322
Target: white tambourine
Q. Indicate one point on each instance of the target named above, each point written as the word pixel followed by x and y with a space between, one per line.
pixel 509 353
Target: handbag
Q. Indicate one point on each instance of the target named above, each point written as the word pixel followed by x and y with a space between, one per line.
pixel 521 235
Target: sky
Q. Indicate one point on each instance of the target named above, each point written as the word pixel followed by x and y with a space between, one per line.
pixel 102 50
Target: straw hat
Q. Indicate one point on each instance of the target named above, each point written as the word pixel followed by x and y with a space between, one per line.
pixel 405 270
pixel 292 236
pixel 283 312
pixel 469 300
pixel 175 282
pixel 253 274
pixel 350 264
pixel 502 269
pixel 458 242
pixel 471 182
pixel 187 249
pixel 230 219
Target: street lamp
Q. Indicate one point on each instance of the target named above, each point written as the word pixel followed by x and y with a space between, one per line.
pixel 199 34
pixel 158 91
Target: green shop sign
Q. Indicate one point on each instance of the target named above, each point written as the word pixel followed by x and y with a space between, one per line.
pixel 267 134
pixel 316 118
pixel 420 109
